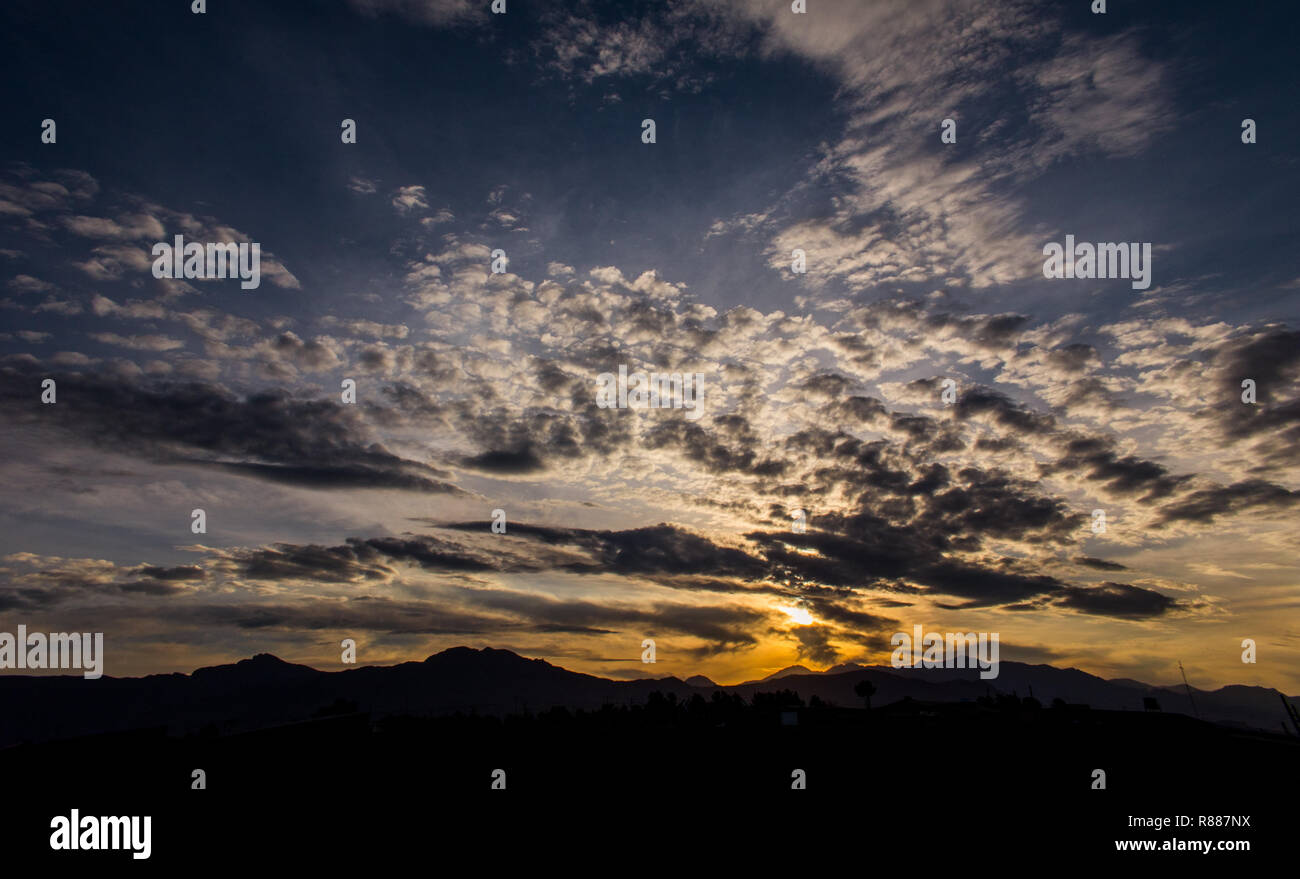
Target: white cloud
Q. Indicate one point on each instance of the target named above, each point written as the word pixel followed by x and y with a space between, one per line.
pixel 409 198
pixel 362 186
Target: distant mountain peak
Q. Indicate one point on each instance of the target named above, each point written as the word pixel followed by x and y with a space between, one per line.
pixel 699 681
pixel 469 653
pixel 264 666
pixel 464 650
pixel 790 670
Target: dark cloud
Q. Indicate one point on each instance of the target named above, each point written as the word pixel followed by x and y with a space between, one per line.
pixel 43 589
pixel 1096 459
pixel 1098 564
pixel 993 332
pixel 659 549
pixel 147 587
pixel 1003 412
pixel 354 562
pixel 814 644
pixel 724 627
pixel 866 628
pixel 359 560
pixel 1117 600
pixel 273 436
pixel 1205 504
pixel 1270 356
pixel 1072 359
pixel 827 384
pixel 341 476
pixel 521 460
pixel 180 572
pixel 986 586
pixel 741 454
pixel 867 410
pixel 527 443
pixel 433 553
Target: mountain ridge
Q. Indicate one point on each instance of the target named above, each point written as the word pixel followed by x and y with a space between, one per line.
pixel 266 690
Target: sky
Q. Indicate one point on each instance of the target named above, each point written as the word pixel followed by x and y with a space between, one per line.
pixel 947 417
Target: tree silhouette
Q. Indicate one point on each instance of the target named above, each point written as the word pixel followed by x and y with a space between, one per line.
pixel 866 690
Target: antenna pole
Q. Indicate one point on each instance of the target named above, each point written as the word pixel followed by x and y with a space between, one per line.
pixel 1189 690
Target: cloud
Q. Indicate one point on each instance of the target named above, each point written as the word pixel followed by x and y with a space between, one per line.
pixel 362 186
pixel 409 198
pixel 267 436
pixel 1098 97
pixel 130 227
pixel 1119 600
pixel 28 284
pixel 1204 505
pixel 906 210
pixel 139 342
pixel 664 43
pixel 1098 564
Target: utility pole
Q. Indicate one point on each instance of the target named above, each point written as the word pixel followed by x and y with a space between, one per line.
pixel 1189 690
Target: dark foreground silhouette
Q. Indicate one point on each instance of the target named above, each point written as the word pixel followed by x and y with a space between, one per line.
pixel 999 777
pixel 265 691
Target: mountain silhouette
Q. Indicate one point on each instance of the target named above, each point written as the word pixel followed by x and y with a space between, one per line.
pixel 700 681
pixel 1234 705
pixel 283 742
pixel 785 673
pixel 265 691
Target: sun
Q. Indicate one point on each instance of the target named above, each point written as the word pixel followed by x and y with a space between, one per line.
pixel 798 615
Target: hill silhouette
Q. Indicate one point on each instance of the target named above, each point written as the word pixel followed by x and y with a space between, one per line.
pixel 292 752
pixel 265 691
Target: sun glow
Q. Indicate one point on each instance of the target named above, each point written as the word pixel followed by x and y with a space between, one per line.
pixel 798 615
